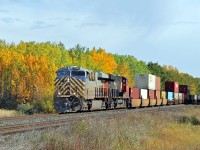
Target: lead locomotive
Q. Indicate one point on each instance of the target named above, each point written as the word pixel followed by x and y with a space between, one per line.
pixel 78 89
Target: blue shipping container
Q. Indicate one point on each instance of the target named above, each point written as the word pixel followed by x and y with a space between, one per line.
pixel 170 96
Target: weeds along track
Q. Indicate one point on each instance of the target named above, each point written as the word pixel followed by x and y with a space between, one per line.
pixel 27 117
pixel 25 123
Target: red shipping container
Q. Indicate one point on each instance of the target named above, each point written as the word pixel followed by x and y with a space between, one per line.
pixel 151 94
pixel 171 87
pixel 157 94
pixel 135 93
pixel 184 89
pixel 158 80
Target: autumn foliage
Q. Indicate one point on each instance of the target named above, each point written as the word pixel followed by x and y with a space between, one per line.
pixel 27 70
pixel 103 61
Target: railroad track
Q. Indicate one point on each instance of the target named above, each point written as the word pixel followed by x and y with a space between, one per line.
pixel 21 124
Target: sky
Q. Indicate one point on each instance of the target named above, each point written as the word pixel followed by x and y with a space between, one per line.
pixel 163 31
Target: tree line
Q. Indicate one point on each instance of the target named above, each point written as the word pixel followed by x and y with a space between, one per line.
pixel 27 70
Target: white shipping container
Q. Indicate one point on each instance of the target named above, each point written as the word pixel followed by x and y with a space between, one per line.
pixel 195 97
pixel 143 93
pixel 180 96
pixel 176 95
pixel 145 81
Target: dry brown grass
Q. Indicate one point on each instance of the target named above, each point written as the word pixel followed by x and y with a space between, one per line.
pixel 9 113
pixel 174 136
pixel 135 131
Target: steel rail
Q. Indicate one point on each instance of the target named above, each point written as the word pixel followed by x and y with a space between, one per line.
pixel 9 129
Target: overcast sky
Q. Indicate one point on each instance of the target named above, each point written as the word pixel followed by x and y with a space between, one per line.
pixel 163 31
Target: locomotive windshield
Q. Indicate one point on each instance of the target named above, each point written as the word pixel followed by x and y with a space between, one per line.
pixel 78 73
pixel 62 73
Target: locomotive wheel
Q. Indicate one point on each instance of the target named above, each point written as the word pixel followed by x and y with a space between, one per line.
pixel 115 103
pixel 128 103
pixel 111 103
pixel 89 104
pixel 161 102
pixel 77 104
pixel 106 103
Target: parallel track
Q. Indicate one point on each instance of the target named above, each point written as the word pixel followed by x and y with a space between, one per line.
pixel 38 121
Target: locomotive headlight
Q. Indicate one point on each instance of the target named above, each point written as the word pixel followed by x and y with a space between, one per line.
pixel 68 80
pixel 59 93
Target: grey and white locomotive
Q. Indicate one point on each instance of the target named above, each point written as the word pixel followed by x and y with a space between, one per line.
pixel 78 89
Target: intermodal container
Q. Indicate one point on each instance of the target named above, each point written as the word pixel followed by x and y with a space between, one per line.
pixel 192 97
pixel 198 97
pixel 135 93
pixel 143 93
pixel 158 82
pixel 151 94
pixel 163 95
pixel 183 98
pixel 183 95
pixel 180 96
pixel 145 81
pixel 176 96
pixel 157 94
pixel 171 87
pixel 170 96
pixel 184 89
pixel 195 97
pixel 186 96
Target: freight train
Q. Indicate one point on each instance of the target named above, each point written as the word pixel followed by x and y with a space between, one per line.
pixel 79 89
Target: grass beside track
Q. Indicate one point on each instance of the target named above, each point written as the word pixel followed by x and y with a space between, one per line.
pixel 137 130
pixel 9 113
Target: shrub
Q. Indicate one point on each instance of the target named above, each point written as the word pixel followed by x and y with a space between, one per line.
pixel 183 119
pixel 44 105
pixel 25 108
pixel 192 120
